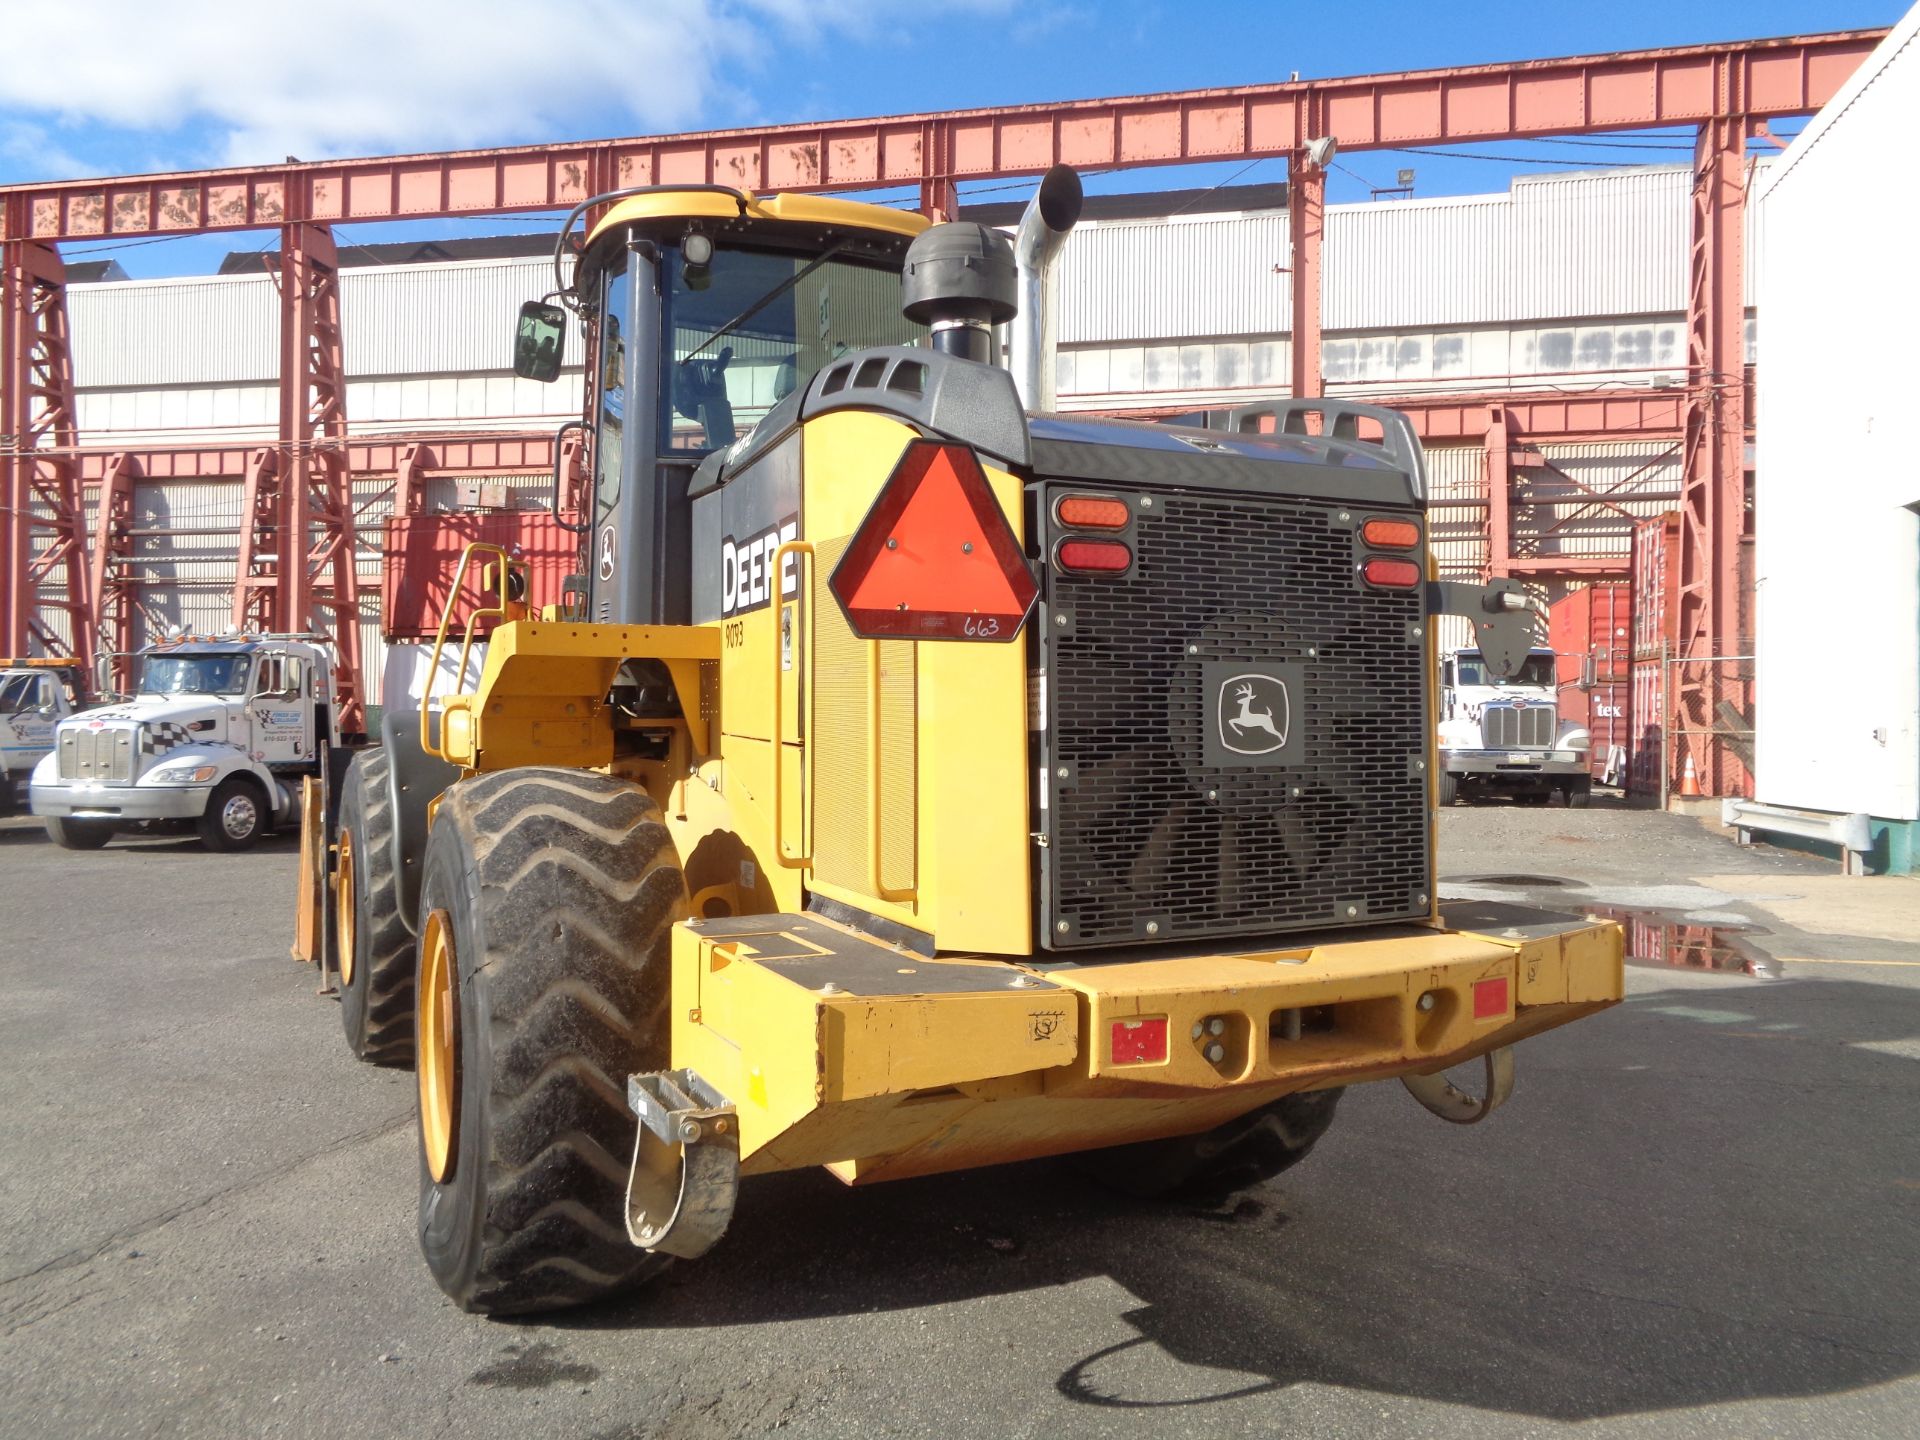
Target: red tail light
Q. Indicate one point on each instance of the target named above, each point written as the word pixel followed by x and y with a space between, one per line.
pixel 1391 534
pixel 1094 512
pixel 1099 557
pixel 1390 574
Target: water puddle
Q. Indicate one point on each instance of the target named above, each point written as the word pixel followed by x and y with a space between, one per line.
pixel 1656 938
pixel 1660 939
pixel 1512 882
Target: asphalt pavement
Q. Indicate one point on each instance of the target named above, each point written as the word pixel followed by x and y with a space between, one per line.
pixel 1697 1216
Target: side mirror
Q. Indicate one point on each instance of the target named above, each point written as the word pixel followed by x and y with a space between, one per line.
pixel 539 342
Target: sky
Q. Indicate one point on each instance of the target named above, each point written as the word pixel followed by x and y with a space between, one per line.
pixel 116 87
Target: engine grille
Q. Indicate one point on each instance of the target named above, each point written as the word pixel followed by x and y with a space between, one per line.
pixel 97 754
pixel 1147 840
pixel 1507 727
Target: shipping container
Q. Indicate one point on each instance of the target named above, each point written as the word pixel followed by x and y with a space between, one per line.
pixel 1606 709
pixel 422 552
pixel 1656 585
pixel 1591 632
pixel 1646 716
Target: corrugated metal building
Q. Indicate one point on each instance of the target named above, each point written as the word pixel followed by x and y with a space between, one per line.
pixel 1564 281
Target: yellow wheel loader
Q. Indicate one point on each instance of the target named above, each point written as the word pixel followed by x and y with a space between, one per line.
pixel 914 779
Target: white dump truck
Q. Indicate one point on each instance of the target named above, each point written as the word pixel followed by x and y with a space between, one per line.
pixel 218 732
pixel 35 696
pixel 1506 737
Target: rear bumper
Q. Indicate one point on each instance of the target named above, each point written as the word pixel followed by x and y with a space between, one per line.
pixel 121 802
pixel 840 1051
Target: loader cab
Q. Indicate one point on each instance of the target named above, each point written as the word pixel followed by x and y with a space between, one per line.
pixel 704 311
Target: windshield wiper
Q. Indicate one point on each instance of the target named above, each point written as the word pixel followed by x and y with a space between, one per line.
pixel 767 299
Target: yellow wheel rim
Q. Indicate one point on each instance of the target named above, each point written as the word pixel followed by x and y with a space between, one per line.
pixel 437 1053
pixel 343 911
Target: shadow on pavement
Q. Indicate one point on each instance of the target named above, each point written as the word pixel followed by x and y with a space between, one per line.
pixel 1706 1195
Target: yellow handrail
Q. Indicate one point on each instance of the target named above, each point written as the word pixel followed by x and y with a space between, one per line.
pixel 777 568
pixel 873 784
pixel 485 612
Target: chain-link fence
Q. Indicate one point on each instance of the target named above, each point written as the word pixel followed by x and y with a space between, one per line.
pixel 1707 734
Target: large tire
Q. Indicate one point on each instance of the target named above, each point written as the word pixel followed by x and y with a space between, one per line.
pixel 71 834
pixel 1449 788
pixel 557 891
pixel 1580 796
pixel 376 967
pixel 236 816
pixel 1245 1151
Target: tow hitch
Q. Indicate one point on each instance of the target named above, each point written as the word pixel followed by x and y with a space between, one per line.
pixel 686 1164
pixel 1449 1102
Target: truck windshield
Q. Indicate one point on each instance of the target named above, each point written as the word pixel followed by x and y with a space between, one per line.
pixel 16 693
pixel 195 674
pixel 753 327
pixel 1473 671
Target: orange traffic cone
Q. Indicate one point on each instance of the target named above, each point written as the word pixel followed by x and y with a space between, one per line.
pixel 1689 781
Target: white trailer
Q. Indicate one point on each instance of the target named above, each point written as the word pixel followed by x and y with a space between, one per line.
pixel 1837 488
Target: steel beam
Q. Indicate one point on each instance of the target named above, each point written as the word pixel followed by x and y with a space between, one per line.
pixel 410 478
pixel 257 570
pixel 1792 75
pixel 1713 508
pixel 44 524
pixel 1499 468
pixel 114 590
pixel 1461 417
pixel 1306 225
pixel 459 453
pixel 1584 566
pixel 315 582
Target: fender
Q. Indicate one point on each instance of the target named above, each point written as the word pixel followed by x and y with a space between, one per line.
pixel 414 778
pixel 231 761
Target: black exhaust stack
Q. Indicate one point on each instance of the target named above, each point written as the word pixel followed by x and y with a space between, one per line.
pixel 961 282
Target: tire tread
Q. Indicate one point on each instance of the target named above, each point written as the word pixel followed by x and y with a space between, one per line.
pixel 580 888
pixel 385 1033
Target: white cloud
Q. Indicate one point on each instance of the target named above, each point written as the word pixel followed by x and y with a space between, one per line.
pixel 350 77
pixel 25 144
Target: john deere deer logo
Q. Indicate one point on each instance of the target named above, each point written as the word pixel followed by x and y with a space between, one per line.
pixel 1253 714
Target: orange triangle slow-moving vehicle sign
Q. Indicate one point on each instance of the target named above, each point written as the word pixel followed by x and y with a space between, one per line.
pixel 935 558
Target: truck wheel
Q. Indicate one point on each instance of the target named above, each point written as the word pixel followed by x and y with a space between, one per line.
pixel 373 949
pixel 1245 1151
pixel 1580 796
pixel 547 912
pixel 1449 788
pixel 71 834
pixel 236 815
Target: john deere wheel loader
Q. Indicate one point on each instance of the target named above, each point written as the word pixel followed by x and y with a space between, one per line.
pixel 914 782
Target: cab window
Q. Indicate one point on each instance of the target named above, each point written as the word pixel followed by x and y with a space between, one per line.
pixel 748 329
pixel 279 676
pixel 616 323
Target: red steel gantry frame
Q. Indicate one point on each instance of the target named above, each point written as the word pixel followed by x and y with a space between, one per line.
pixel 301 492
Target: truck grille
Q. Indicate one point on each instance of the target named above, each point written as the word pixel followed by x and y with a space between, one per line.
pixel 1507 727
pixel 97 754
pixel 1147 836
